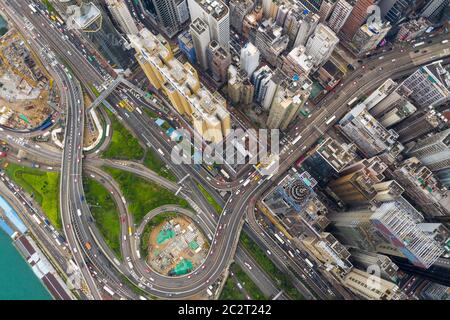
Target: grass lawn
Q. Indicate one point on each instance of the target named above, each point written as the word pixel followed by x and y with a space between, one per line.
pixel 123 144
pixel 105 213
pixel 160 218
pixel 49 6
pixel 43 186
pixel 142 195
pixel 280 278
pixel 210 199
pixel 154 163
pixel 247 283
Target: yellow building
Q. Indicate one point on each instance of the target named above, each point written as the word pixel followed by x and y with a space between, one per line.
pixel 182 86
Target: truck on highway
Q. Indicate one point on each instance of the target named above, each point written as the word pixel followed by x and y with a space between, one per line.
pixel 88 246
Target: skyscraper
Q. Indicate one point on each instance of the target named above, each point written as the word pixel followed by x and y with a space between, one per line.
pixel 181 84
pixel 249 58
pixel 321 44
pixel 216 15
pixel 341 12
pixel 430 85
pixel 357 18
pixel 434 8
pixel 166 14
pixel 200 37
pixel 122 15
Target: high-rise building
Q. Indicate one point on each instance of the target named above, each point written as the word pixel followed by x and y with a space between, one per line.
pixel 321 44
pixel 363 184
pixel 357 18
pixel 395 11
pixel 200 37
pixel 218 61
pixel 369 135
pixel 433 151
pixel 326 8
pixel 434 8
pixel 419 124
pixel 369 261
pixel 423 187
pixel 341 12
pixel 379 95
pixel 216 15
pixel 238 10
pixel 181 84
pixel 369 36
pixel 186 46
pixel 298 63
pixel 303 28
pixel 412 29
pixel 249 58
pixel 394 228
pixel 122 15
pixel 270 41
pixel 240 89
pixel 166 13
pixel 264 88
pixel 397 114
pixel 290 95
pixel 371 287
pixel 430 85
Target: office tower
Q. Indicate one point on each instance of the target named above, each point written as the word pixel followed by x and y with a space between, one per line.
pixel 321 44
pixel 369 135
pixel 434 152
pixel 218 61
pixel 249 58
pixel 423 187
pixel 371 287
pixel 200 37
pixel 326 8
pixel 264 88
pixel 435 291
pixel 329 158
pixel 430 85
pixel 393 228
pixel 419 124
pixel 240 89
pixel 290 95
pixel 396 11
pixel 412 29
pixel 122 15
pixel 298 63
pixel 397 114
pixel 186 45
pixel 270 41
pixel 379 95
pixel 363 184
pixel 238 10
pixel 251 23
pixel 216 15
pixel 388 97
pixel 182 86
pixel 357 18
pixel 312 5
pixel 368 37
pixel 341 12
pixel 282 13
pixel 434 8
pixel 370 261
pixel 166 14
pixel 328 250
pixel 302 25
pixel 294 203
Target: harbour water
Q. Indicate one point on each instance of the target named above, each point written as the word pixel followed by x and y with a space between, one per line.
pixel 3 26
pixel 17 280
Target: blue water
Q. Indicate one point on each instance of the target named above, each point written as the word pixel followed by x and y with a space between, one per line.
pixel 3 26
pixel 17 280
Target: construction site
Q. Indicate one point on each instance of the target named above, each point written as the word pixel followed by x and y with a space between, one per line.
pixel 25 95
pixel 176 247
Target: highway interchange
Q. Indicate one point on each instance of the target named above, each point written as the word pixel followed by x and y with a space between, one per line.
pixel 224 230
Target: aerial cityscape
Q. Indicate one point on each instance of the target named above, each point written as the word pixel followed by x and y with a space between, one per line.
pixel 224 150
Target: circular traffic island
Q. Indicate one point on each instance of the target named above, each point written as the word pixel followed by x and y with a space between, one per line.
pixel 171 242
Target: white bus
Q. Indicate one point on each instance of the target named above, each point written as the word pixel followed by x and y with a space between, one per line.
pixel 79 212
pixel 279 238
pixel 33 9
pixel 38 221
pixel 246 182
pixel 309 263
pixel 290 253
pixel 160 151
pixel 330 120
pixel 108 290
pixel 352 101
pixel 418 44
pixel 107 131
pixel 138 110
pixel 296 140
pixel 225 174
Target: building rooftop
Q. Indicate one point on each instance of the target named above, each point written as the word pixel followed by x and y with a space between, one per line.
pixel 215 8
